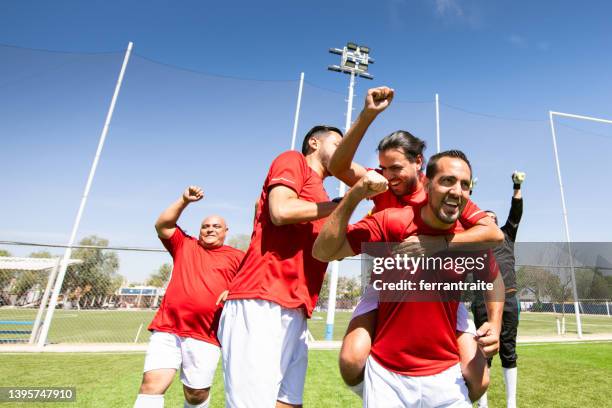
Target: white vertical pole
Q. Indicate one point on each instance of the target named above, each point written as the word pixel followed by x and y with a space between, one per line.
pixel 607 308
pixel 563 325
pixel 43 302
pixel 64 263
pixel 437 124
pixel 567 232
pixel 333 279
pixel 296 118
pixel 138 333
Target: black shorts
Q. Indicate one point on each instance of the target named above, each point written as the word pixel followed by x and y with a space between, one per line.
pixel 510 320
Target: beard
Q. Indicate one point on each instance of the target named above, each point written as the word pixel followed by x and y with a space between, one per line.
pixel 450 214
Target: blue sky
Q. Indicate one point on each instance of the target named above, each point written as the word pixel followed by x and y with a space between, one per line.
pixel 210 91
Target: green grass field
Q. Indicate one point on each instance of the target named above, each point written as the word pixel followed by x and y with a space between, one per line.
pixel 121 326
pixel 550 375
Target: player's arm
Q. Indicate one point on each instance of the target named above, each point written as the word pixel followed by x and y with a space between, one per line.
pixel 489 332
pixel 516 207
pixel 331 243
pixel 341 164
pixel 485 234
pixel 286 208
pixel 166 223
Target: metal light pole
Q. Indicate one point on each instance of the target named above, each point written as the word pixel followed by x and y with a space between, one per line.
pixel 355 61
pixel 437 124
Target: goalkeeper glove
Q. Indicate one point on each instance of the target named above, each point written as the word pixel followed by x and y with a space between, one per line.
pixel 517 178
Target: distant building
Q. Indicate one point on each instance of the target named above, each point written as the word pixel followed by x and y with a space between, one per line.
pixel 140 297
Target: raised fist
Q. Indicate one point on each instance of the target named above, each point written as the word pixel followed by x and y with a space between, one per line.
pixel 193 194
pixel 378 99
pixel 518 177
pixel 372 184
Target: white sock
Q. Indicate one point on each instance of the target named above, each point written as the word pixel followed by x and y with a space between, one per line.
pixel 357 389
pixel 204 404
pixel 149 401
pixel 510 378
pixel 483 402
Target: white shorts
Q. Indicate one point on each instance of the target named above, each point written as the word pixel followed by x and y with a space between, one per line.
pixel 265 354
pixel 197 359
pixel 387 389
pixel 369 302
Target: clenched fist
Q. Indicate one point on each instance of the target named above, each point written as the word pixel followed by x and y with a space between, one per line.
pixel 372 184
pixel 193 194
pixel 378 99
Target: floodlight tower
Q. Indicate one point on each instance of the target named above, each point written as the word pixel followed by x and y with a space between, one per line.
pixel 354 62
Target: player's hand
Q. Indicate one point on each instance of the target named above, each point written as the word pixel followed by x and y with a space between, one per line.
pixel 518 177
pixel 378 99
pixel 222 297
pixel 193 194
pixel 371 184
pixel 417 245
pixel 473 183
pixel 488 339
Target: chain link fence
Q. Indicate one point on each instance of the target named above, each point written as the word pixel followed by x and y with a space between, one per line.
pixel 98 305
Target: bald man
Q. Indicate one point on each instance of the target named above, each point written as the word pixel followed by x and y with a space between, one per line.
pixel 184 330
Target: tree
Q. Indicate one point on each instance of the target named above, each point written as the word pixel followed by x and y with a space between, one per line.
pixel 23 280
pixel 324 292
pixel 591 284
pixel 41 254
pixel 97 275
pixel 348 289
pixel 27 280
pixel 536 280
pixel 240 241
pixel 5 276
pixel 160 278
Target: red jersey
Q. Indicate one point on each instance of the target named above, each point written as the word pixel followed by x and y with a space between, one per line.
pixel 278 265
pixel 198 277
pixel 470 215
pixel 413 337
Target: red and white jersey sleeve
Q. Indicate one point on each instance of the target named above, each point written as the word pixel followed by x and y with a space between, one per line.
pixel 471 214
pixel 289 170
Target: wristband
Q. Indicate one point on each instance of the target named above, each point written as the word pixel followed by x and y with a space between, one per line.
pixel 517 186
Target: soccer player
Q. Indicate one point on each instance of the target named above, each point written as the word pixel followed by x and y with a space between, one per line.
pixel 185 326
pixel 263 325
pixel 510 318
pixel 414 361
pixel 401 159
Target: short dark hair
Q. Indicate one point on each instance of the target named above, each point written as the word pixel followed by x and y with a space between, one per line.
pixel 432 165
pixel 411 145
pixel 314 132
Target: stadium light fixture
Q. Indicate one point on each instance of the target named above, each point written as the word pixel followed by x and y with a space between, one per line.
pixel 355 60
